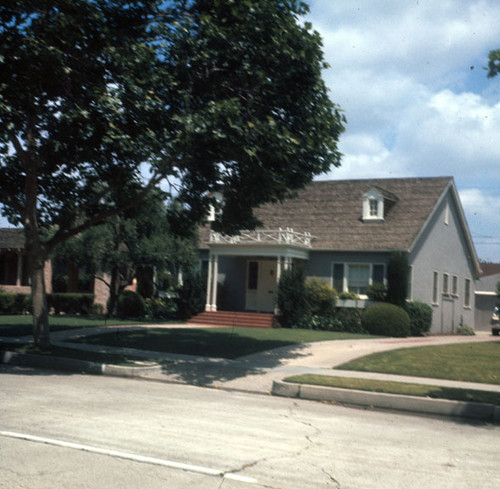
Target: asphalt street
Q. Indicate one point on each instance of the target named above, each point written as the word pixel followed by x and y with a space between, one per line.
pixel 69 431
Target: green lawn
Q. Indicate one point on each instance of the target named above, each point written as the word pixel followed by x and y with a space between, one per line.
pixel 389 387
pixel 214 342
pixel 12 326
pixel 471 362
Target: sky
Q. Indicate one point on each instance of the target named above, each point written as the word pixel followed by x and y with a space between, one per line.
pixel 409 76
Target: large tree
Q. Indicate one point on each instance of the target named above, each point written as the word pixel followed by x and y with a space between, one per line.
pixel 494 63
pixel 209 95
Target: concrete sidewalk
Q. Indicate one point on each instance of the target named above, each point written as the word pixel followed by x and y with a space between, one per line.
pixel 264 372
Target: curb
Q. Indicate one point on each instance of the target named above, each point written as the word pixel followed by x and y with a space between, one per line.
pixel 55 363
pixel 424 405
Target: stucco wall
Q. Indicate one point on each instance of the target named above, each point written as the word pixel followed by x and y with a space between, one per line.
pixel 442 248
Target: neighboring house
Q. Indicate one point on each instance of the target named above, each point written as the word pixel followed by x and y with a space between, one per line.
pixel 486 295
pixel 14 272
pixel 344 233
pixel 14 266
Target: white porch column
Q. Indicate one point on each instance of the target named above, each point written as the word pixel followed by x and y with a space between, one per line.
pixel 209 284
pixel 288 262
pixel 215 273
pixel 278 269
pixel 19 269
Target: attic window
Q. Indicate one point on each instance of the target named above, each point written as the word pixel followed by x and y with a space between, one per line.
pixel 215 207
pixel 373 206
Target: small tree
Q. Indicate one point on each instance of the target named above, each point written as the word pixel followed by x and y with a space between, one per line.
pixel 291 296
pixel 397 279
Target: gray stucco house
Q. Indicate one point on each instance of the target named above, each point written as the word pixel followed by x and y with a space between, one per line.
pixel 344 232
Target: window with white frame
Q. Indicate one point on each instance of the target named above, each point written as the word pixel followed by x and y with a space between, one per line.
pixel 454 285
pixel 373 206
pixel 467 293
pixel 357 277
pixel 446 283
pixel 435 289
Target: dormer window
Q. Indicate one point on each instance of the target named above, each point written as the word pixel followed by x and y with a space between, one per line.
pixel 373 206
pixel 215 208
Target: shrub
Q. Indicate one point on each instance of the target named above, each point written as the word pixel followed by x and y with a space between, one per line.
pixel 158 308
pixel 192 293
pixel 348 296
pixel 70 303
pixel 420 317
pixel 131 305
pixel 97 309
pixel 12 303
pixel 377 292
pixel 386 320
pixel 350 318
pixel 291 297
pixel 320 297
pixel 397 279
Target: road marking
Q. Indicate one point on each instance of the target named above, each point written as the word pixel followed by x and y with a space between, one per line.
pixel 130 456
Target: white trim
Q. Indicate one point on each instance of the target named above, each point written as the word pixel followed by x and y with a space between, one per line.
pixel 345 275
pixel 486 293
pixel 435 288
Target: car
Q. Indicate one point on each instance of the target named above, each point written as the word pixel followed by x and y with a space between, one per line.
pixel 495 321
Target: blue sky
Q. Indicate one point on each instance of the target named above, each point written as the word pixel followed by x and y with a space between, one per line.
pixel 409 76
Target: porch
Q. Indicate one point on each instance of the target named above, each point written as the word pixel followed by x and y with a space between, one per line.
pixel 248 267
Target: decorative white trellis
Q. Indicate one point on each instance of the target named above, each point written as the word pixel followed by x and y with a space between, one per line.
pixel 264 236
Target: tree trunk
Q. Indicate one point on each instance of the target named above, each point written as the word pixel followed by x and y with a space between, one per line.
pixel 41 330
pixel 114 291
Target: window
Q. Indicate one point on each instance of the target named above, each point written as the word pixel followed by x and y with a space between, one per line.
pixel 435 280
pixel 446 279
pixel 454 285
pixel 467 293
pixel 358 278
pixel 373 206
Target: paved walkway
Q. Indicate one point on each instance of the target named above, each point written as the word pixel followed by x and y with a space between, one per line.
pixel 256 373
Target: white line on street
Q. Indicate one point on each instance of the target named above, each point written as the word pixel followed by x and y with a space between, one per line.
pixel 130 456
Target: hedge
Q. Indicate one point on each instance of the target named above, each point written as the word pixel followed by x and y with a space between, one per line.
pixel 386 320
pixel 70 303
pixel 14 303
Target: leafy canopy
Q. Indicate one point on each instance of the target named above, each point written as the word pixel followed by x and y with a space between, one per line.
pixel 212 95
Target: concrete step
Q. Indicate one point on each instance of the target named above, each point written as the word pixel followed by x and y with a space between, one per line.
pixel 236 319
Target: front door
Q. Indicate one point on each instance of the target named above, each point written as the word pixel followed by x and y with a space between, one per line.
pixel 261 285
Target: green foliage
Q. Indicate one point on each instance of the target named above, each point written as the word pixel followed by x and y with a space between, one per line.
pixel 397 279
pixel 160 308
pixel 215 96
pixel 12 303
pixel 97 309
pixel 386 320
pixel 493 63
pixel 347 295
pixel 420 317
pixel 350 318
pixel 320 297
pixel 59 283
pixel 341 323
pixel 70 303
pixel 291 296
pixel 466 330
pixel 192 294
pixel 131 305
pixel 377 292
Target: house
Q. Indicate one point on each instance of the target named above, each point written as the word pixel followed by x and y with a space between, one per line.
pixel 14 272
pixel 486 295
pixel 344 233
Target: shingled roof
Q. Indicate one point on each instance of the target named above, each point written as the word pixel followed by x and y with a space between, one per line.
pixel 332 212
pixel 11 239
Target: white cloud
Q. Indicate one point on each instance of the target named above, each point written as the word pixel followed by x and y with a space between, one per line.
pixel 409 78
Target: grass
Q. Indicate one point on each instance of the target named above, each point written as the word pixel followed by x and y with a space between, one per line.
pixel 213 342
pixel 402 388
pixel 470 362
pixel 14 326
